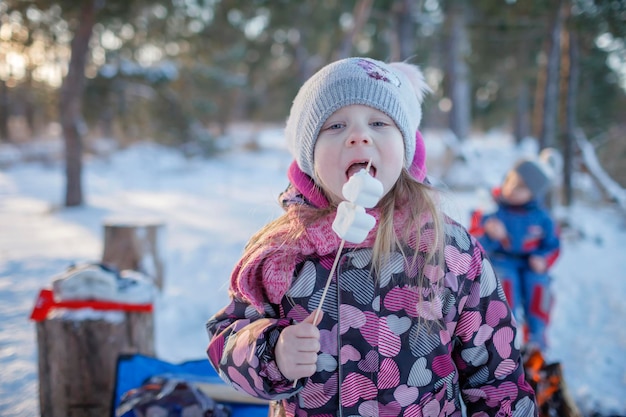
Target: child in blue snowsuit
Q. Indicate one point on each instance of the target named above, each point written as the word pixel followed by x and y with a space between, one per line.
pixel 522 242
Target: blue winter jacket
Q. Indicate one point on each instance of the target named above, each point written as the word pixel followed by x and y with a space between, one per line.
pixel 530 231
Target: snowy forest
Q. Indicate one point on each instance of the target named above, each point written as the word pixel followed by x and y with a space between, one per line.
pixel 176 109
pixel 181 72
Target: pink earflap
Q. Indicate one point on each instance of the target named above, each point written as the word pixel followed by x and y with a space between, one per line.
pixel 306 186
pixel 418 166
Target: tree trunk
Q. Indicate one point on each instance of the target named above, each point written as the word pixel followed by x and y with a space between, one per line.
pixel 4 112
pixel 540 94
pixel 134 245
pixel 522 112
pixel 361 14
pixel 570 123
pixel 77 358
pixel 403 45
pixel 302 56
pixel 70 104
pixel 551 98
pixel 458 70
pixel 521 128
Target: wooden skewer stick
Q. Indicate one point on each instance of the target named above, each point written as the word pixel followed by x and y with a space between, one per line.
pixel 331 273
pixel 329 280
pixel 332 270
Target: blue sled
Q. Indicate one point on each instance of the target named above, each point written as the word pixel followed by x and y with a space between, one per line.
pixel 134 370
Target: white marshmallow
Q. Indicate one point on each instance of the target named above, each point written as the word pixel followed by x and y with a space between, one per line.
pixel 363 190
pixel 352 223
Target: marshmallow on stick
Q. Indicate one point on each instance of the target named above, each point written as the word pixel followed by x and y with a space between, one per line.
pixel 361 191
pixel 352 223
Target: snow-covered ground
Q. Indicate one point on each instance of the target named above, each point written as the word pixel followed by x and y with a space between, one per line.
pixel 211 207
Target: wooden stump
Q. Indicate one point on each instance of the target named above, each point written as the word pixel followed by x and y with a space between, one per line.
pixel 134 244
pixel 78 348
pixel 78 351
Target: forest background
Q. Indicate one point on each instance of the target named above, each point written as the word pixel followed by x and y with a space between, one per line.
pixel 91 78
pixel 181 72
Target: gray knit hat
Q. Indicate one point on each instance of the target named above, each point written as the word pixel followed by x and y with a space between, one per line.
pixel 534 176
pixel 345 82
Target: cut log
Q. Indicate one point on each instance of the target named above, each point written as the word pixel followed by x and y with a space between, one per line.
pixel 134 244
pixel 77 355
pixel 78 347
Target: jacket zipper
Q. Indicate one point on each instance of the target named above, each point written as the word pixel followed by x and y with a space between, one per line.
pixel 339 368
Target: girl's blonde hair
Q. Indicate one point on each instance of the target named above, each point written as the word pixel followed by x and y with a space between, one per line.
pixel 420 201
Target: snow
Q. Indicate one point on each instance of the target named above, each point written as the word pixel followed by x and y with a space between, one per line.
pixel 211 207
pixel 87 314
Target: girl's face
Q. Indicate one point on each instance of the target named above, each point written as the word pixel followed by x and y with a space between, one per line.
pixel 514 190
pixel 349 138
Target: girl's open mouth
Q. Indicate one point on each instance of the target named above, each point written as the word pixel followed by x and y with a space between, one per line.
pixel 356 167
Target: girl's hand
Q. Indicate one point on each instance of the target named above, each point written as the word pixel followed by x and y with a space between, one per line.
pixel 297 348
pixel 495 229
pixel 538 264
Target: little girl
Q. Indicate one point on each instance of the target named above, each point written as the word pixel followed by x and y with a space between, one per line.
pixel 414 322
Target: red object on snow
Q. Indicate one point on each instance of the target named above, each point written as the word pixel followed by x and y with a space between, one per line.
pixel 45 302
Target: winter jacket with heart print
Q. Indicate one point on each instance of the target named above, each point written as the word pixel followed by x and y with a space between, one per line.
pixel 388 348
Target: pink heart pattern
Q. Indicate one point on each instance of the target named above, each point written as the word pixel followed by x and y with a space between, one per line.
pixel 313 395
pixel 434 273
pixel 400 341
pixel 370 330
pixel 357 387
pixel 349 353
pixel 483 334
pixel 352 317
pixel 406 395
pixel 505 368
pixel 389 374
pixel 389 343
pixel 460 261
pixel 370 362
pixel 377 409
pixel 502 340
pixel 496 311
pixel 328 340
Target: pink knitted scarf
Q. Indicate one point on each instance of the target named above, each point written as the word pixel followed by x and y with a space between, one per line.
pixel 268 273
